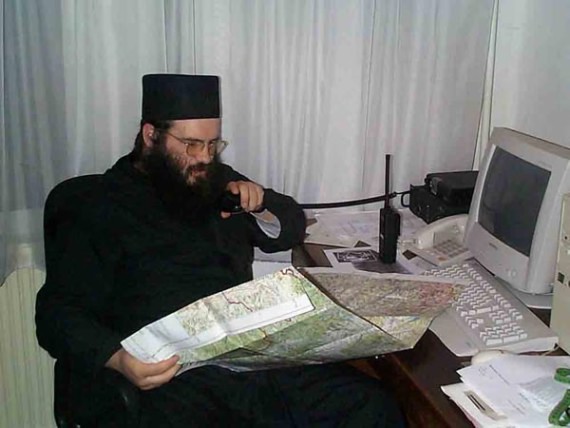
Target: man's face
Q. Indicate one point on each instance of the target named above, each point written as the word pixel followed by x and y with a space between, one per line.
pixel 185 144
pixel 188 180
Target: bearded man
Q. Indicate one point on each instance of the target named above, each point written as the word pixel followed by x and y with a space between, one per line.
pixel 151 240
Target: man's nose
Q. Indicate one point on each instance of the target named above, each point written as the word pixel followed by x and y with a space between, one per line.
pixel 203 155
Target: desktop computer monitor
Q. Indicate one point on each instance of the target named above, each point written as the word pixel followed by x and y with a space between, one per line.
pixel 514 217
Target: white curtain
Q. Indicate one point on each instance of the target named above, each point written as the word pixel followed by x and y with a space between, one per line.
pixel 315 92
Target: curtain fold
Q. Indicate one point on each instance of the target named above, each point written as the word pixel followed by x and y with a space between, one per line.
pixel 317 92
pixel 314 92
pixel 485 126
pixel 426 84
pixel 3 181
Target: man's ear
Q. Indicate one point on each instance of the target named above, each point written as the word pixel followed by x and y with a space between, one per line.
pixel 148 134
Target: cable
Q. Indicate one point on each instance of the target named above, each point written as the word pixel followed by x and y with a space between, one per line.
pixel 353 202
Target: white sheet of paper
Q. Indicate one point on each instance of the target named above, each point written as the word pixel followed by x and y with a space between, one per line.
pixel 478 412
pixel 522 387
pixel 413 263
pixel 351 227
pixel 319 234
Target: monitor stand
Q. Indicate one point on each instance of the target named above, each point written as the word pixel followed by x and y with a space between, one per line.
pixel 537 301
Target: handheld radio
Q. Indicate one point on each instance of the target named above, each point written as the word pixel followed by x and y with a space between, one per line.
pixel 389 224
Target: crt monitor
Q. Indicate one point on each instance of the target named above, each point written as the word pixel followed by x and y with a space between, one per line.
pixel 514 218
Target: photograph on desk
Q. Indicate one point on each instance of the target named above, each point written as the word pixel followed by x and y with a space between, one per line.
pixel 362 259
pixel 368 259
pixel 347 258
pixel 289 318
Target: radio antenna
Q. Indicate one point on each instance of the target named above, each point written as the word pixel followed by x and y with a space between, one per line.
pixel 387 182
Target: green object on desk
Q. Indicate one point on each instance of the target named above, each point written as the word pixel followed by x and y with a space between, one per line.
pixel 560 415
pixel 562 375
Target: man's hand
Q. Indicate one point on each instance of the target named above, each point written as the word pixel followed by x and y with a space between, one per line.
pixel 143 375
pixel 250 194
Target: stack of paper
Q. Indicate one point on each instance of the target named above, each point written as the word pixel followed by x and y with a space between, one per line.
pixel 510 391
pixel 344 229
pixel 347 229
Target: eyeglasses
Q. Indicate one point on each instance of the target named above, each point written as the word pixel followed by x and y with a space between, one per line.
pixel 215 147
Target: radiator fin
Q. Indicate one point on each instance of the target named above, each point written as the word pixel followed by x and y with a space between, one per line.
pixel 26 370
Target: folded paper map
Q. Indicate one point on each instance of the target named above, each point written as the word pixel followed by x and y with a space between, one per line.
pixel 288 318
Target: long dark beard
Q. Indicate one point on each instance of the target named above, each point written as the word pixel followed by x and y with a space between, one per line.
pixel 188 202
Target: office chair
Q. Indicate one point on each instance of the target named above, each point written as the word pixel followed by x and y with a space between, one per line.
pixel 74 402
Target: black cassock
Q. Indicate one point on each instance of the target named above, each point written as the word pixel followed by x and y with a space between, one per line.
pixel 128 262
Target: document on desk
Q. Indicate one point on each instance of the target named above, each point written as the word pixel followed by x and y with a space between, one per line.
pixel 520 388
pixel 345 229
pixel 288 318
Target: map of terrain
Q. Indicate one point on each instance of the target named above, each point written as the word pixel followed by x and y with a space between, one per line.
pixel 289 318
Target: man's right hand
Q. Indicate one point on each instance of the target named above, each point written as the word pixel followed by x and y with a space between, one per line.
pixel 144 375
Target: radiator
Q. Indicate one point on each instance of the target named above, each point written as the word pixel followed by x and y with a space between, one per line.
pixel 26 370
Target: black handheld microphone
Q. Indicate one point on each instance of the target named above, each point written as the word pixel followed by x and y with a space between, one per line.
pixel 230 203
pixel 389 225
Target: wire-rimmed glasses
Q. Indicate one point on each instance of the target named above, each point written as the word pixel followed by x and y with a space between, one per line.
pixel 194 146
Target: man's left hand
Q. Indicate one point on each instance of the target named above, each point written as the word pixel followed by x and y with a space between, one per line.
pixel 250 194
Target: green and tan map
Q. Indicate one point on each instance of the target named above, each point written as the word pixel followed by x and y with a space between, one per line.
pixel 288 318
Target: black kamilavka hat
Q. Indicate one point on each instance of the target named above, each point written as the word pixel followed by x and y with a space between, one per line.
pixel 180 96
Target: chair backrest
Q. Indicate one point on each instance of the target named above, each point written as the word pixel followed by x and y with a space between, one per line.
pixel 60 211
pixel 61 208
pixel 72 409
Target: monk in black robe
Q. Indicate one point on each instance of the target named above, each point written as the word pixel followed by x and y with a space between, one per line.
pixel 151 240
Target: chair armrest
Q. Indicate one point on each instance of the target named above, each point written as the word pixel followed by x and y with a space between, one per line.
pixel 61 406
pixel 78 402
pixel 127 393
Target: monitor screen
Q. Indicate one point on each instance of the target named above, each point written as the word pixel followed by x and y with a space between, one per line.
pixel 511 199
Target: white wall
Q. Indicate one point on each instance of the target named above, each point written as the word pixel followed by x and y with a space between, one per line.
pixel 531 90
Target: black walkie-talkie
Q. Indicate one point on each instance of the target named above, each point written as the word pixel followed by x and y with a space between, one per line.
pixel 389 225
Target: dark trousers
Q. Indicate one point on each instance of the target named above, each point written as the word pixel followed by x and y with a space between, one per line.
pixel 330 395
